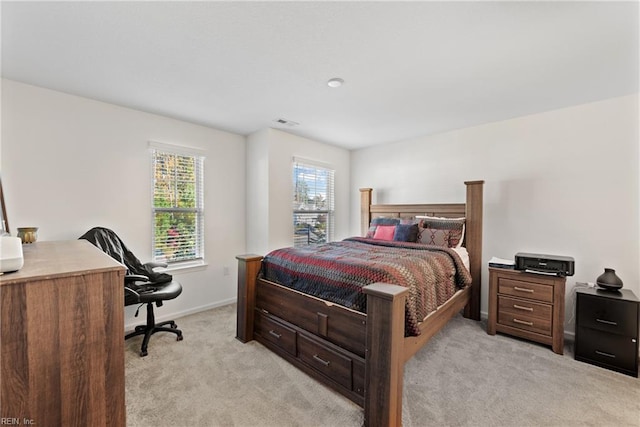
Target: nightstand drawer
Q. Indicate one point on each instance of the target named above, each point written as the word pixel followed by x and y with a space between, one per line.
pixel 520 307
pixel 525 322
pixel 609 350
pixel 615 316
pixel 275 332
pixel 528 290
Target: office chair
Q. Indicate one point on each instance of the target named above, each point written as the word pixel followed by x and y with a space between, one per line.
pixel 142 285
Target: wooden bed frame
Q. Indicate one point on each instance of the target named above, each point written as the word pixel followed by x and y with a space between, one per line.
pixel 361 356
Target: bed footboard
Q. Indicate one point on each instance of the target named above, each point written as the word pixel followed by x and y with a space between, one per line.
pixel 384 343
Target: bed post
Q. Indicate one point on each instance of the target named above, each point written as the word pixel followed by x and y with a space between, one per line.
pixel 384 354
pixel 473 243
pixel 365 210
pixel 248 268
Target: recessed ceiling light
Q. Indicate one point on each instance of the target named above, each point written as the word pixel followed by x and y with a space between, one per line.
pixel 335 82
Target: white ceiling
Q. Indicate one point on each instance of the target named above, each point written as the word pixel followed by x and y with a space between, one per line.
pixel 411 68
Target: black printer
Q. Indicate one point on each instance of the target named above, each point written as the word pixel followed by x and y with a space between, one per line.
pixel 545 264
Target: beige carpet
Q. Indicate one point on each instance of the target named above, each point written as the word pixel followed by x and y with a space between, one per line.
pixel 463 377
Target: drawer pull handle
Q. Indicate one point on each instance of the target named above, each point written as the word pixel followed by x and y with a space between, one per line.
pixel 607 322
pixel 602 353
pixel 519 307
pixel 324 362
pixel 275 334
pixel 522 322
pixel 517 288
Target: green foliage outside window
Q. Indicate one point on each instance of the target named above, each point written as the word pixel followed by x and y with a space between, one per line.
pixel 177 206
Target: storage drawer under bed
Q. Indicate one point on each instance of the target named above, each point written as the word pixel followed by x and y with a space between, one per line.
pixel 313 315
pixel 276 332
pixel 324 360
pixel 338 366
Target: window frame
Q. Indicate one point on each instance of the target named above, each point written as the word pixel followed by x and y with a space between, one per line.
pixel 330 197
pixel 199 157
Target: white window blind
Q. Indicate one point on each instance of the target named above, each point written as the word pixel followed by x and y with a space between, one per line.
pixel 313 202
pixel 178 204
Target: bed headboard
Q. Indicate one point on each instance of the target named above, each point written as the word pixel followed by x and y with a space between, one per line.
pixel 471 210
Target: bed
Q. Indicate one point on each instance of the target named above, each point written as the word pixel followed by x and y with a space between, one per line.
pixel 359 354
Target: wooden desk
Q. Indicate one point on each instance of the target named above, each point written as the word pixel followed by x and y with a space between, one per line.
pixel 62 337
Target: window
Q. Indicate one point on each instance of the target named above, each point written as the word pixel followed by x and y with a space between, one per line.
pixel 313 205
pixel 178 205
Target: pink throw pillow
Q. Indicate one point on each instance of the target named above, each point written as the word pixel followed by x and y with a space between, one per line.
pixel 385 232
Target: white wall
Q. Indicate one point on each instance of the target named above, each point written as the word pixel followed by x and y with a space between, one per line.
pixel 563 182
pixel 276 149
pixel 257 192
pixel 70 163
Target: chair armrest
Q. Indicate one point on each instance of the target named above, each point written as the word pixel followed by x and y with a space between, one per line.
pixel 156 264
pixel 129 291
pixel 135 278
pixel 137 291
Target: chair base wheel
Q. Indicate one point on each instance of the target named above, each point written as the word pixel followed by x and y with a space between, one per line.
pixel 180 338
pixel 151 328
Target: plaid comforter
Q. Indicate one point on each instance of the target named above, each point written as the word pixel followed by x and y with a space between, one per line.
pixel 338 271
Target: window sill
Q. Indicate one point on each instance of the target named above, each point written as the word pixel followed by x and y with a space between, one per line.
pixel 184 267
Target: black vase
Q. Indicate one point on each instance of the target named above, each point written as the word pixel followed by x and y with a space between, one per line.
pixel 609 280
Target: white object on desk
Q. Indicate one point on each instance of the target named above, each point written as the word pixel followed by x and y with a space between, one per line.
pixel 502 261
pixel 10 254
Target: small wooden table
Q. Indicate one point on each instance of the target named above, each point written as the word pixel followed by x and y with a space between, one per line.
pixel 527 305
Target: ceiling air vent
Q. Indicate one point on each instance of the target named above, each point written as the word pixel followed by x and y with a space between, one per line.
pixel 285 122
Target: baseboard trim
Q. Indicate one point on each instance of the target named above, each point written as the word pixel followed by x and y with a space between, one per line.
pixel 178 314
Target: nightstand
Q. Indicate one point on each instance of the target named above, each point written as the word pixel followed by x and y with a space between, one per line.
pixel 607 329
pixel 527 305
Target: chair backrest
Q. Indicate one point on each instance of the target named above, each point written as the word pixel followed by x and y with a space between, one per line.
pixel 109 242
